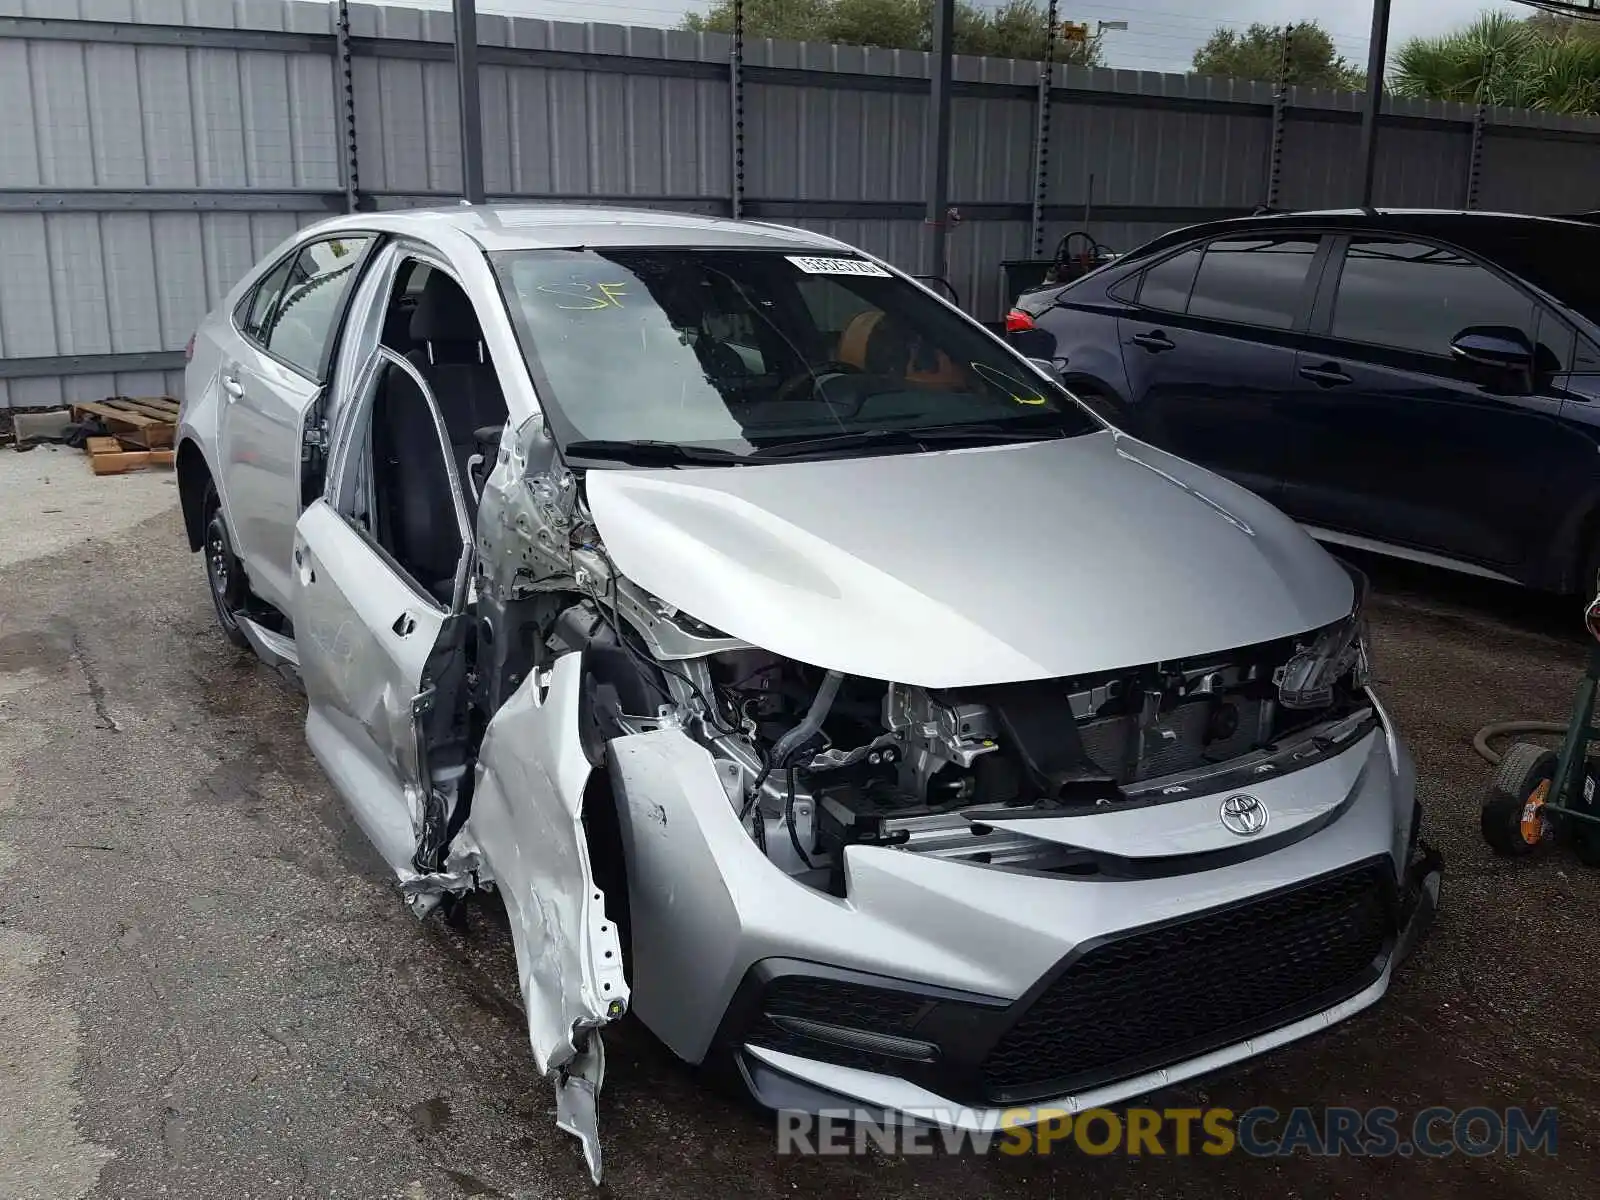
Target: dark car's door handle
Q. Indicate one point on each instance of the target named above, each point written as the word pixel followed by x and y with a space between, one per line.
pixel 1327 375
pixel 1155 341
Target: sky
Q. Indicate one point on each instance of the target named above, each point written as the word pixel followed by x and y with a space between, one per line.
pixel 1161 36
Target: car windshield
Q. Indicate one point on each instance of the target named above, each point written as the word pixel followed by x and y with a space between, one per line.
pixel 736 355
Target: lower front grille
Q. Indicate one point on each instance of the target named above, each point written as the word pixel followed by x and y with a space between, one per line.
pixel 796 1010
pixel 1174 991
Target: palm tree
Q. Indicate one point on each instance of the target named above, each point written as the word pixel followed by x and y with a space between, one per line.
pixel 1503 60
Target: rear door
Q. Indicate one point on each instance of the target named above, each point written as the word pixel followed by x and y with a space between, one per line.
pixel 279 368
pixel 1393 438
pixel 1211 351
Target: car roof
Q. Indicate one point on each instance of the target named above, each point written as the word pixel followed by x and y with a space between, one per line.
pixel 1550 252
pixel 557 226
pixel 1470 229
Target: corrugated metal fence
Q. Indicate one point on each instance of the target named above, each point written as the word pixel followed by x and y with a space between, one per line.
pixel 151 150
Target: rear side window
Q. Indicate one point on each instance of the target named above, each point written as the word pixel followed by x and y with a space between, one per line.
pixel 1166 285
pixel 256 309
pixel 1412 296
pixel 293 311
pixel 298 328
pixel 1253 281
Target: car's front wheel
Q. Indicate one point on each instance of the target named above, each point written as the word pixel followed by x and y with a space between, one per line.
pixel 223 572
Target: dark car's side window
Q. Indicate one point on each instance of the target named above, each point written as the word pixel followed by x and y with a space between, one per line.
pixel 301 326
pixel 1555 340
pixel 1254 281
pixel 1412 296
pixel 1166 285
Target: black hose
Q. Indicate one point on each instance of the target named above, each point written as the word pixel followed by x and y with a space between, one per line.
pixel 1498 729
pixel 788 819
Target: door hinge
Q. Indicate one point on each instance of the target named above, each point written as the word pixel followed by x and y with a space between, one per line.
pixel 422 702
pixel 316 437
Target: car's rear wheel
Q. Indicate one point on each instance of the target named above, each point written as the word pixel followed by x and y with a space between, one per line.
pixel 223 572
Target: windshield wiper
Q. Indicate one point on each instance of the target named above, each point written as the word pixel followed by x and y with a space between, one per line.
pixel 976 433
pixel 647 453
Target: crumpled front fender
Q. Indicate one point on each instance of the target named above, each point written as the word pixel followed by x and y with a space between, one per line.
pixel 527 820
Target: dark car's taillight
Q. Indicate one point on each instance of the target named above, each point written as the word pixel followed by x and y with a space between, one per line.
pixel 1017 321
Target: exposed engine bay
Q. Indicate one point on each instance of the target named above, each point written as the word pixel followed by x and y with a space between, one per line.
pixel 814 760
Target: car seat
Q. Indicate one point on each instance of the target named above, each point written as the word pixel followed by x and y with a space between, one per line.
pixel 415 514
pixel 449 353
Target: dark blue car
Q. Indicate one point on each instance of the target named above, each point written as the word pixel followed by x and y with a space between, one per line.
pixel 1424 384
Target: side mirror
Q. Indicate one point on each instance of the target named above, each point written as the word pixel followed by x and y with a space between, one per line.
pixel 1048 367
pixel 1499 354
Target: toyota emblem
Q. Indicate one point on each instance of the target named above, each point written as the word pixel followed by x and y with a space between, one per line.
pixel 1244 815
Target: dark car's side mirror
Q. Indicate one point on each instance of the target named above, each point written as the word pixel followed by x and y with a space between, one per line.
pixel 1499 355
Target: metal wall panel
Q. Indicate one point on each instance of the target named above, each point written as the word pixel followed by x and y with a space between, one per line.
pixel 122 282
pixel 197 117
pixel 1417 168
pixel 1522 174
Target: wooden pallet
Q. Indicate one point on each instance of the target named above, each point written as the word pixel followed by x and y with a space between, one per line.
pixel 108 457
pixel 138 422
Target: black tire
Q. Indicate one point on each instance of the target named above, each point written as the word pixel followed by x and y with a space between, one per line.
pixel 224 574
pixel 1524 775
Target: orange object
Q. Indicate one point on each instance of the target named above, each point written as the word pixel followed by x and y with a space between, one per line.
pixel 1532 824
pixel 871 347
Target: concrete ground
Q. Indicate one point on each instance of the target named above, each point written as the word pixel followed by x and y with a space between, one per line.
pixel 208 987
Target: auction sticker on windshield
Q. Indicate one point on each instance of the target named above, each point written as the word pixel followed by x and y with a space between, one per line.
pixel 836 266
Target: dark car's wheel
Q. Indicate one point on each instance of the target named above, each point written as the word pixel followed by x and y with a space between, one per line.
pixel 223 572
pixel 1512 820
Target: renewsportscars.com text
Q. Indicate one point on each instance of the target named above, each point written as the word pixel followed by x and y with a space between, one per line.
pixel 1261 1132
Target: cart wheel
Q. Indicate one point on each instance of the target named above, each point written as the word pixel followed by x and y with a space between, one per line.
pixel 1512 819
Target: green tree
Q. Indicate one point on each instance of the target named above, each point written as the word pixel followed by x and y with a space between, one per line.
pixel 1017 29
pixel 1498 59
pixel 1257 53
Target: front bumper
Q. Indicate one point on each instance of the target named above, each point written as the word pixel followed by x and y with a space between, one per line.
pixel 938 1085
pixel 967 948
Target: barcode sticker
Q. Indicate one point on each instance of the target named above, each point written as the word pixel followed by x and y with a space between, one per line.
pixel 837 266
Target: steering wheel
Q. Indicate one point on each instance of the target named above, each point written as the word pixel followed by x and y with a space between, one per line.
pixel 813 376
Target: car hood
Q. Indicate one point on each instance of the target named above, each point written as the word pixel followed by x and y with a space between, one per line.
pixel 973 566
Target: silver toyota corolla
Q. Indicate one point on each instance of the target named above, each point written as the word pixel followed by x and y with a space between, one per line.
pixel 804 670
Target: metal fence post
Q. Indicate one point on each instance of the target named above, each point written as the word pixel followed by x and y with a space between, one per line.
pixel 347 95
pixel 1041 133
pixel 1377 53
pixel 736 109
pixel 1280 121
pixel 466 15
pixel 1480 118
pixel 937 216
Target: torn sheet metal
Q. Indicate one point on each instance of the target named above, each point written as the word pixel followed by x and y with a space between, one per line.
pixel 577 1098
pixel 527 820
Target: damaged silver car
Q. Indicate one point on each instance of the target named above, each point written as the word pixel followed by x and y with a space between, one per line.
pixel 805 671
